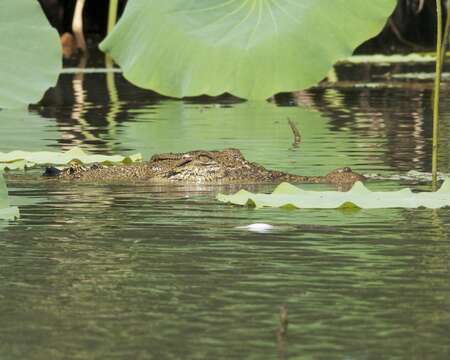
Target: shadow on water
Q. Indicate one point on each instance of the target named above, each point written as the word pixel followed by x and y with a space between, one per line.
pixel 104 271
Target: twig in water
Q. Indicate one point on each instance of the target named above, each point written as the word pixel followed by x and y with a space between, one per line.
pixel 297 136
pixel 283 321
pixel 282 333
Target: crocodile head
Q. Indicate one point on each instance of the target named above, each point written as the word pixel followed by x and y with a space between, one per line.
pixel 198 167
pixel 223 167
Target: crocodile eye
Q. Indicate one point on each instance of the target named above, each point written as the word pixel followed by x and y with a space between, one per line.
pixel 204 157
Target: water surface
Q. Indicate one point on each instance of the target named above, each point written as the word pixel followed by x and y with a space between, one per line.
pixel 139 272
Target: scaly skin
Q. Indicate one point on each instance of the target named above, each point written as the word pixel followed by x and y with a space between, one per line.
pixel 200 167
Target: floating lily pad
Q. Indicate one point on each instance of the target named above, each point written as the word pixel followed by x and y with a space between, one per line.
pixel 287 195
pixel 6 212
pixel 23 159
pixel 15 165
pixel 250 48
pixel 30 58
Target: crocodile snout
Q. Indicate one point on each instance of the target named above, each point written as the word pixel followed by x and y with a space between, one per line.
pixel 344 175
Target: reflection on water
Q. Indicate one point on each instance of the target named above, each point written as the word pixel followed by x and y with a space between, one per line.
pixel 94 271
pixel 389 128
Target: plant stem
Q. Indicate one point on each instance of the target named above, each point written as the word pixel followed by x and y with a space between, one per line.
pixel 445 36
pixel 112 15
pixel 437 86
pixel 77 25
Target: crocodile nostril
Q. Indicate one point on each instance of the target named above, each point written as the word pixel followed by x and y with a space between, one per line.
pixel 52 171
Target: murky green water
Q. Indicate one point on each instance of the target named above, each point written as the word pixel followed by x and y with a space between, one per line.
pixel 111 272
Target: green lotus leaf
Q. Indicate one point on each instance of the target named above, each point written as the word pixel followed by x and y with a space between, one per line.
pixel 287 195
pixel 23 159
pixel 30 58
pixel 6 212
pixel 249 48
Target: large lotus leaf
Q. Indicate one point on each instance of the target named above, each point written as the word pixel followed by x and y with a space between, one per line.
pixel 6 211
pixel 20 159
pixel 287 195
pixel 250 48
pixel 30 58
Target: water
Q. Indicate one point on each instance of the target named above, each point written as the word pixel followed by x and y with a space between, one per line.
pixel 114 272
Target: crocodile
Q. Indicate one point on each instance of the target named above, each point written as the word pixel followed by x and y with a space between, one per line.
pixel 225 167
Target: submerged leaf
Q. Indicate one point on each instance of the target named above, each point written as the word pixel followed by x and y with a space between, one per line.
pixel 287 195
pixel 249 48
pixel 30 58
pixel 6 211
pixel 20 159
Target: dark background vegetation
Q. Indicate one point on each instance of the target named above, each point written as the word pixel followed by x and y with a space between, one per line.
pixel 410 28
